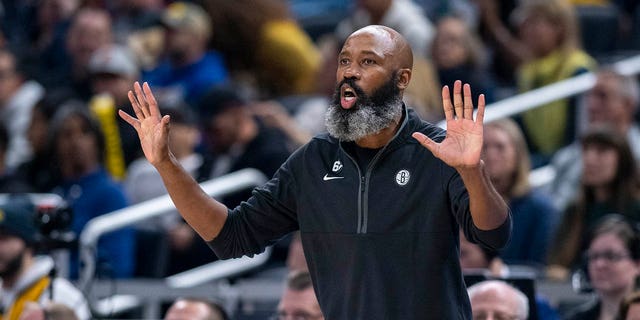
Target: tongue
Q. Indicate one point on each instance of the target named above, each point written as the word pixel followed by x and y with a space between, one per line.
pixel 347 102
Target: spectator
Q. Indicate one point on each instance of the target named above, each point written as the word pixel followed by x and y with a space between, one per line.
pixel 254 36
pixel 89 190
pixel 298 300
pixel 18 95
pixel 47 28
pixel 89 30
pixel 609 184
pixel 477 260
pixel 613 101
pixel 37 170
pixel 113 69
pixel 458 54
pixel 195 309
pixel 236 139
pixel 494 299
pixel 613 266
pixel 534 217
pixel 25 276
pixel 189 70
pixel 545 51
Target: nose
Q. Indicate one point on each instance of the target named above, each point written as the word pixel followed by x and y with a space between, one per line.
pixel 351 72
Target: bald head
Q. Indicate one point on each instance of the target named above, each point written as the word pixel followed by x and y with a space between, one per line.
pixel 390 42
pixel 498 298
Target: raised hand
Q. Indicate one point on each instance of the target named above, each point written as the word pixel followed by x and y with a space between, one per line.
pixel 462 145
pixel 152 128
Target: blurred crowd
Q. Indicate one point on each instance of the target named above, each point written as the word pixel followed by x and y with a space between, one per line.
pixel 247 82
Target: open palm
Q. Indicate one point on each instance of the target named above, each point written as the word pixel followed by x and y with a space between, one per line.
pixel 462 144
pixel 152 128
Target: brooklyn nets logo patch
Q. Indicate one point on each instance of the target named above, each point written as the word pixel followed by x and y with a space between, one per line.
pixel 402 177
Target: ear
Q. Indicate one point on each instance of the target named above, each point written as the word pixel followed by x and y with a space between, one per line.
pixel 404 77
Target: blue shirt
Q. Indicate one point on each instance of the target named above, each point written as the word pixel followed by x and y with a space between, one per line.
pixel 93 195
pixel 534 221
pixel 189 83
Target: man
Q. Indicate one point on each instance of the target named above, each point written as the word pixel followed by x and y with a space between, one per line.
pixel 236 138
pixel 190 69
pixel 381 241
pixel 613 101
pixel 195 309
pixel 89 30
pixel 112 69
pixel 298 299
pixel 495 299
pixel 26 277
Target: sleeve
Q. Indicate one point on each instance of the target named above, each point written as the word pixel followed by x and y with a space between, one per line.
pixel 66 293
pixel 459 205
pixel 268 215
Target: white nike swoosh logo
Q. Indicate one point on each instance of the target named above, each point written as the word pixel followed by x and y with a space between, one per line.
pixel 327 177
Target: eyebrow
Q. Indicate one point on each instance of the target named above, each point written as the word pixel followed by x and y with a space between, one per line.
pixel 363 52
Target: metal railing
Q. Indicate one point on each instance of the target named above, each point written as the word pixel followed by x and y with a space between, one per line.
pixel 98 226
pixel 562 89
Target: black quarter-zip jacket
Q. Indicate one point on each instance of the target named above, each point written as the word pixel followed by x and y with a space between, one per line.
pixel 381 242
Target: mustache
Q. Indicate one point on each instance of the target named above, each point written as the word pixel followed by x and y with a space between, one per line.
pixel 352 83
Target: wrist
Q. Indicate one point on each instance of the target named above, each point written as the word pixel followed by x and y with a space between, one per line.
pixel 166 162
pixel 470 169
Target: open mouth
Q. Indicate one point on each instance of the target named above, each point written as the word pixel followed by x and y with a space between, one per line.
pixel 347 96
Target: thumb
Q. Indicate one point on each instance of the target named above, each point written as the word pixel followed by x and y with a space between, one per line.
pixel 426 142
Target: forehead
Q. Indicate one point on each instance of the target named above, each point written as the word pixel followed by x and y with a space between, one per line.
pixel 374 40
pixel 607 240
pixel 494 300
pixel 304 300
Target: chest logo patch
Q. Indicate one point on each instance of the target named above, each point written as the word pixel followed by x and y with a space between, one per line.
pixel 337 166
pixel 402 177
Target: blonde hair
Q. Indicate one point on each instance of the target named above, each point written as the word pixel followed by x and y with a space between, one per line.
pixel 520 182
pixel 561 13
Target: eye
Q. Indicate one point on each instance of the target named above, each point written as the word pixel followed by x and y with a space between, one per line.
pixel 343 61
pixel 367 62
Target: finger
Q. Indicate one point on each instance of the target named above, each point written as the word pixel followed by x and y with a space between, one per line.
pixel 481 105
pixel 427 142
pixel 468 102
pixel 135 123
pixel 446 103
pixel 165 125
pixel 153 104
pixel 457 98
pixel 142 101
pixel 135 105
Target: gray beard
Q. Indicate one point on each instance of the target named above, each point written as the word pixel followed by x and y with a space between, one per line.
pixel 362 120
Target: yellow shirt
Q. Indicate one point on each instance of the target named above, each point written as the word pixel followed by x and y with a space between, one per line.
pixel 288 58
pixel 545 126
pixel 31 294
